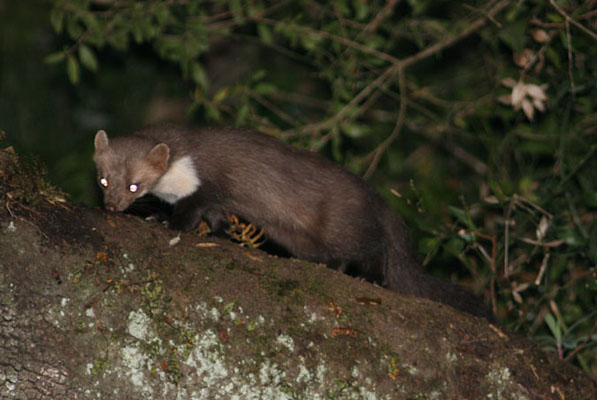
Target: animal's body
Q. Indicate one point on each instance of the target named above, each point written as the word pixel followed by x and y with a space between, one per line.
pixel 310 206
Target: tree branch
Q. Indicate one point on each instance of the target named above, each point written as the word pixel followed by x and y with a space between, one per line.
pixel 381 149
pixel 436 48
pixel 573 21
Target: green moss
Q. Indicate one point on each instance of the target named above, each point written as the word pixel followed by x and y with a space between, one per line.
pixel 173 368
pixel 27 180
pixel 188 339
pixel 100 365
pixel 228 308
pixel 80 326
pixel 251 326
pixel 153 292
pixel 76 277
pixel 341 386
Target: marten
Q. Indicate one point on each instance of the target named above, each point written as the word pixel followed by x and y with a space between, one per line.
pixel 305 203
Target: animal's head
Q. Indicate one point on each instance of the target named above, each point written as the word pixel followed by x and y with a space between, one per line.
pixel 127 168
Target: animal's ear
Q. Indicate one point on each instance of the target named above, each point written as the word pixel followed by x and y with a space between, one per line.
pixel 158 157
pixel 101 140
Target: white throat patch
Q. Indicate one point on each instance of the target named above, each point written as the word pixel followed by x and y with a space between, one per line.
pixel 180 180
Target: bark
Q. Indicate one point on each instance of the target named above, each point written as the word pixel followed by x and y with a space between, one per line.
pixel 99 305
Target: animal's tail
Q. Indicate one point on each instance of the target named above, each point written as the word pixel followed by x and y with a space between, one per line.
pixel 404 273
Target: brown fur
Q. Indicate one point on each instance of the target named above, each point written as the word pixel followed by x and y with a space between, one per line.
pixel 307 204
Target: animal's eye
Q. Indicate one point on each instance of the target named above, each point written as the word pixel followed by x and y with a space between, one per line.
pixel 133 188
pixel 103 182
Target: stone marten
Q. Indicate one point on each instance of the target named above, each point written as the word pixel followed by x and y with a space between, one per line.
pixel 313 208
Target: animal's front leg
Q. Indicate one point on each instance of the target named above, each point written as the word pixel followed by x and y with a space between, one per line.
pixel 187 213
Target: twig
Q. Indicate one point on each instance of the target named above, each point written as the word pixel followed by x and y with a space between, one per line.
pixel 542 269
pixel 323 34
pixel 506 238
pixel 379 81
pixel 521 199
pixel 401 66
pixel 341 19
pixel 570 73
pixel 490 17
pixel 580 346
pixel 587 15
pixel 398 65
pixel 273 108
pixel 553 243
pixel 334 130
pixel 573 21
pixel 378 152
pixel 531 62
pixel 493 296
pixel 383 14
pixel 429 51
pixel 581 164
pixel 575 216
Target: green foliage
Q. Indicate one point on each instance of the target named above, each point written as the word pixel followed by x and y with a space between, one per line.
pixel 489 106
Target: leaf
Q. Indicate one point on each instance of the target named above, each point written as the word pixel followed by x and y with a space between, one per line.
pixel 459 214
pixel 310 40
pixel 264 33
pixel 554 56
pixel 505 99
pixel 361 9
pixel 118 39
pixel 73 27
pixel 590 198
pixel 538 104
pixel 542 228
pixel 212 112
pixel 536 91
pixel 353 130
pixel 540 35
pixel 259 75
pixel 517 297
pixel 341 7
pixel 514 35
pixel 199 76
pixel 420 6
pixel 162 15
pixel 509 82
pixel 57 19
pixel 535 147
pixel 428 245
pixel 263 88
pixel 337 148
pixel 555 17
pixel 236 9
pixel 72 69
pixel 242 114
pixel 228 307
pixel 554 327
pixel 523 57
pixel 454 246
pixel 137 31
pixel 518 94
pixel 87 58
pixel 55 57
pixel 528 109
pixel 221 95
